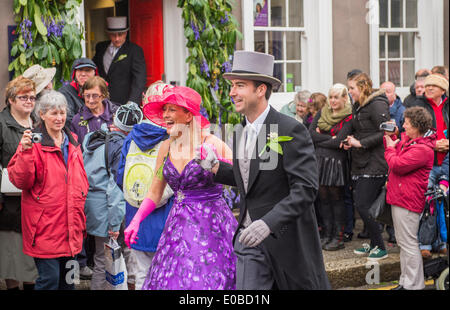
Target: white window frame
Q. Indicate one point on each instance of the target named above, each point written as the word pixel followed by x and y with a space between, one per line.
pixel 429 33
pixel 316 46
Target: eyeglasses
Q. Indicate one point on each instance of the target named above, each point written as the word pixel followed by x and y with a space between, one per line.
pixel 26 98
pixel 93 96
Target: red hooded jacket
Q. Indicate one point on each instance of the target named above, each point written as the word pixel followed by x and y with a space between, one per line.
pixel 410 163
pixel 53 196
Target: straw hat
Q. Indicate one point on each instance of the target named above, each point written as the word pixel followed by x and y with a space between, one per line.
pixel 40 76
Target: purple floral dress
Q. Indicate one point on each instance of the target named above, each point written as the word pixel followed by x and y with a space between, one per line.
pixel 195 251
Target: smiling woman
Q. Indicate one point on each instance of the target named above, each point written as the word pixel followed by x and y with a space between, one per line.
pixel 15 266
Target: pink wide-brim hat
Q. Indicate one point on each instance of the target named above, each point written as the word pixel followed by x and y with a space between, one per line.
pixel 179 95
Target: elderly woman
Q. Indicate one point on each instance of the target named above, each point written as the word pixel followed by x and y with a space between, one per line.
pixel 54 188
pixel 15 266
pixel 98 109
pixel 331 125
pixel 301 105
pixel 368 168
pixel 410 161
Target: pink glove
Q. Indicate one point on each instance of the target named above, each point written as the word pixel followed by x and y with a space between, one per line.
pixel 147 206
pixel 204 153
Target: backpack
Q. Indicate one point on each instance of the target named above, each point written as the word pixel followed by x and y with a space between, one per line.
pixel 105 204
pixel 138 175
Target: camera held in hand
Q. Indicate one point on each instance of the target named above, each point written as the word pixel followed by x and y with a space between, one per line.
pixel 388 126
pixel 36 137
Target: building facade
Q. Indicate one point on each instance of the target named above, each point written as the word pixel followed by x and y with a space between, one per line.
pixel 315 42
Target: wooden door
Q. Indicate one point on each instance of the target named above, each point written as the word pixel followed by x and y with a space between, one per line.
pixel 146 30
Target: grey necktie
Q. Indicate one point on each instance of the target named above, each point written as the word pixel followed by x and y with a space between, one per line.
pixel 250 140
pixel 108 57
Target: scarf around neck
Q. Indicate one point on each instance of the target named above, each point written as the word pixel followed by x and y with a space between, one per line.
pixel 327 120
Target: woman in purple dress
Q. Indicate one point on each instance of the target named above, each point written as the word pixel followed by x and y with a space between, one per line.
pixel 195 251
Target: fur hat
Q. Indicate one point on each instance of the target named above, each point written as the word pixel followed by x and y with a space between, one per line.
pixel 437 80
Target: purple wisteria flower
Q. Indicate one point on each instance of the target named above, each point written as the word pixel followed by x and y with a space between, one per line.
pixel 196 33
pixel 204 68
pixel 216 87
pixel 25 27
pixel 224 20
pixel 204 113
pixel 226 66
pixel 53 27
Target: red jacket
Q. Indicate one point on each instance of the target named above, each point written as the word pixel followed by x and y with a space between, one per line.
pixel 410 163
pixel 53 196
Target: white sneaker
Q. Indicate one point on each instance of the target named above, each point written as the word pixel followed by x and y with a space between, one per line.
pixel 86 273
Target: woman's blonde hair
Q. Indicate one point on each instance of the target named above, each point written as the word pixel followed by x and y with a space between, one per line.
pixel 18 85
pixel 365 86
pixel 341 90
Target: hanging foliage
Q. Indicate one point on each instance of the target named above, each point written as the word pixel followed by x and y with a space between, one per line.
pixel 211 33
pixel 48 34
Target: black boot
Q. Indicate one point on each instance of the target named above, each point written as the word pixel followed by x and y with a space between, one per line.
pixel 337 242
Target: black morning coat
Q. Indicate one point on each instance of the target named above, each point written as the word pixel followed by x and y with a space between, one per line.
pixel 127 74
pixel 283 197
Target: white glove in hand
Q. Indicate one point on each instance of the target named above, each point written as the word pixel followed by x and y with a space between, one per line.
pixel 206 157
pixel 254 234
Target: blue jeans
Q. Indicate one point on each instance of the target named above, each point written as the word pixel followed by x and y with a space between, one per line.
pixel 52 273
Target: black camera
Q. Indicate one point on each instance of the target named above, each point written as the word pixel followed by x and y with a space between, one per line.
pixel 345 142
pixel 388 126
pixel 36 137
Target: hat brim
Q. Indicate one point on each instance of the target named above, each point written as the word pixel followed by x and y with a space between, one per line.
pixel 49 75
pixel 153 110
pixel 108 30
pixel 254 77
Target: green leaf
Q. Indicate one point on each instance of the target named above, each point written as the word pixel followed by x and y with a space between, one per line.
pixel 23 2
pixel 44 52
pixel 23 59
pixel 38 22
pixel 276 147
pixel 283 139
pixel 14 50
pixel 11 65
pixel 77 50
pixel 193 69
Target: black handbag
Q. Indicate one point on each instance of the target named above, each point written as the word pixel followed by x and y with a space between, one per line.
pixel 380 211
pixel 428 231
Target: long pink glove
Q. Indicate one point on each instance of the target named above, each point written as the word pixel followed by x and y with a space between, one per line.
pixel 147 206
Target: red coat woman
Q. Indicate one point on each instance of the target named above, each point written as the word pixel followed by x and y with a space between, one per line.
pixel 54 187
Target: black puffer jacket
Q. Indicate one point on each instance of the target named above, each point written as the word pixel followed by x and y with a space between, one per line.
pixel 367 117
pixel 10 134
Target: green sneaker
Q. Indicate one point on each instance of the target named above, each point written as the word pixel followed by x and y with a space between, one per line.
pixel 364 250
pixel 377 254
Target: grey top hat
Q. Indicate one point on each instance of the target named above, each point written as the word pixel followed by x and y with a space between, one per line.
pixel 116 24
pixel 253 66
pixel 40 76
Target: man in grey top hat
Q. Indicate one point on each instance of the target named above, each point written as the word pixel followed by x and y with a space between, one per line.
pixel 121 63
pixel 277 241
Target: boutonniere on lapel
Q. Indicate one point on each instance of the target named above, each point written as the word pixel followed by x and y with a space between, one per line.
pixel 273 142
pixel 121 57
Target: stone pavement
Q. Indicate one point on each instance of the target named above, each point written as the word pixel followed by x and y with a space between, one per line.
pixel 345 269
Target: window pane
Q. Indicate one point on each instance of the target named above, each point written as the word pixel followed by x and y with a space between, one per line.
pixel 384 14
pixel 278 73
pixel 276 44
pixel 408 72
pixel 382 46
pixel 278 12
pixel 408 44
pixel 397 13
pixel 411 13
pixel 293 45
pixel 394 46
pixel 394 72
pixel 296 13
pixel 260 41
pixel 382 71
pixel 293 76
